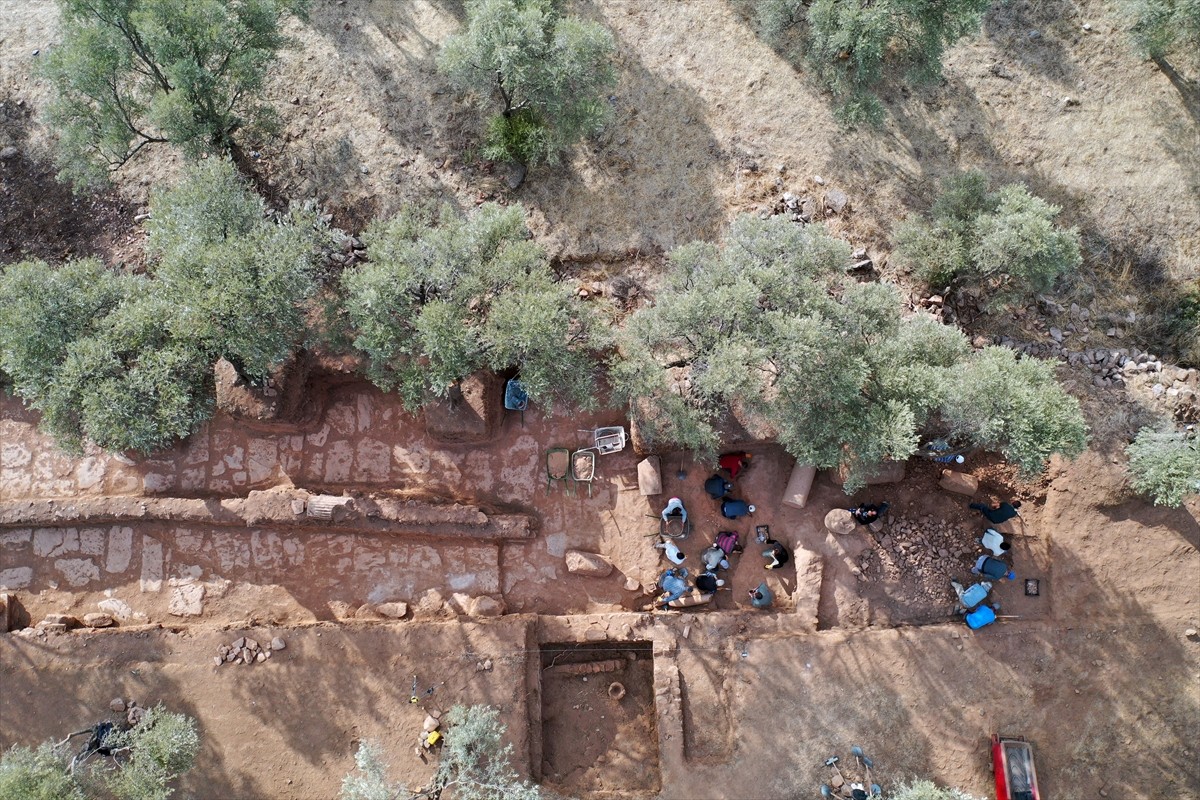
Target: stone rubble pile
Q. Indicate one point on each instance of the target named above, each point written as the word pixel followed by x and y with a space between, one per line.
pixel 247 651
pixel 925 551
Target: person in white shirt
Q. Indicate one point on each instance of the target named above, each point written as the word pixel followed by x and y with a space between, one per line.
pixel 671 551
pixel 993 541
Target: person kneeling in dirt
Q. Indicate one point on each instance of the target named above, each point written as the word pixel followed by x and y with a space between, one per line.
pixel 866 513
pixel 673 585
pixel 732 509
pixel 776 554
pixel 733 463
pixel 674 509
pixel 708 582
pixel 717 487
pixel 712 558
pixel 762 596
pixel 994 542
pixel 993 568
pixel 995 511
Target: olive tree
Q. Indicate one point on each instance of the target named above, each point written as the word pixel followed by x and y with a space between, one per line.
pixel 852 44
pixel 1005 243
pixel 147 758
pixel 125 361
pixel 239 278
pixel 768 328
pixel 1165 464
pixel 548 74
pixel 134 73
pixel 43 310
pixel 444 295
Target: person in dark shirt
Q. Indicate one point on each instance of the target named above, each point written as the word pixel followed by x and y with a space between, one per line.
pixel 732 509
pixel 866 513
pixel 708 582
pixel 717 487
pixel 776 554
pixel 993 568
pixel 995 511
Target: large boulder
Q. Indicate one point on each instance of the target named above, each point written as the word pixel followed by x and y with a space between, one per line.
pixel 840 521
pixel 959 482
pixel 591 564
pixel 394 610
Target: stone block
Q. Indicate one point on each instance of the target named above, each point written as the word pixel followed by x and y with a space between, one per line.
pixel 799 485
pixel 959 482
pixel 591 564
pixel 650 476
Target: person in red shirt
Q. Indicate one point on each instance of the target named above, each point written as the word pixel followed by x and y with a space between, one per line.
pixel 733 463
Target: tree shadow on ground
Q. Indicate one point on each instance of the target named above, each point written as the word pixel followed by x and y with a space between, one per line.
pixel 1035 34
pixel 394 137
pixel 646 184
pixel 41 217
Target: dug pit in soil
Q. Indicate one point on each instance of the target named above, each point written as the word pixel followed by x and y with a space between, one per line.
pixel 592 740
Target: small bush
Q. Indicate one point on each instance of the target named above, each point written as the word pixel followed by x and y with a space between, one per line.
pixel 927 790
pixel 39 774
pixel 1165 465
pixel 160 748
pixel 1004 242
pixel 369 780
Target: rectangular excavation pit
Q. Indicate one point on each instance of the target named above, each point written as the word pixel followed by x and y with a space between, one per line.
pixel 597 738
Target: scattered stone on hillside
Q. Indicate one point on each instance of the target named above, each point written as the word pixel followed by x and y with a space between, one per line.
pixel 590 564
pixel 278 644
pixel 98 620
pixel 9 152
pixel 117 705
pixel 367 611
pixel 836 201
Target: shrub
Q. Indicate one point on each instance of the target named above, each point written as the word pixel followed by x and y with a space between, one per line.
pixel 549 72
pixel 160 748
pixel 148 758
pixel 369 781
pixel 39 774
pixel 927 790
pixel 443 296
pixel 1005 243
pixel 1165 465
pixel 132 73
pixel 474 764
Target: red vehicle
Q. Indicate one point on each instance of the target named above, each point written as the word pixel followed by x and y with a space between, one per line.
pixel 1012 764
